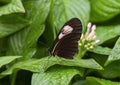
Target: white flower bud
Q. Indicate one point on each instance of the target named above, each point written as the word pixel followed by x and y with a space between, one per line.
pixel 89 39
pixel 94 28
pixel 80 44
pixel 97 41
pixel 89 25
pixel 91 47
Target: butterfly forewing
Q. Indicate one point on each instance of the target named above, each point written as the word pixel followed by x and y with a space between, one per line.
pixel 66 43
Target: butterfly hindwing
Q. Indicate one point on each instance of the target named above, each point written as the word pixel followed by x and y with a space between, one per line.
pixel 66 43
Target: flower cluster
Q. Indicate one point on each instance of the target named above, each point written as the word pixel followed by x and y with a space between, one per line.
pixel 88 40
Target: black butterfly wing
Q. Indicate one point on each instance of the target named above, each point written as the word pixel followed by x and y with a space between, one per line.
pixel 67 44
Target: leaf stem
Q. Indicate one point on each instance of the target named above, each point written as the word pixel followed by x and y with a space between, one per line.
pixel 13 77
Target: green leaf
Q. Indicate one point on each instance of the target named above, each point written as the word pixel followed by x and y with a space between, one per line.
pixel 49 34
pixel 60 12
pixel 101 50
pixel 11 23
pixel 27 38
pixel 55 76
pixel 3 46
pixel 38 24
pixel 12 7
pixel 98 81
pixel 101 59
pixel 4 1
pixel 115 54
pixel 105 33
pixel 102 10
pixel 7 59
pixel 44 63
pixel 80 82
pixel 111 71
pixel 63 11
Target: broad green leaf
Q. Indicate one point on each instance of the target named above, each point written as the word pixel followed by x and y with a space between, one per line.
pixel 71 9
pixel 102 10
pixel 7 59
pixel 101 50
pixel 11 23
pixel 38 14
pixel 29 53
pixel 112 70
pixel 105 33
pixel 60 12
pixel 98 81
pixel 56 76
pixel 40 65
pixel 80 82
pixel 115 54
pixel 101 59
pixel 65 10
pixel 27 38
pixel 12 7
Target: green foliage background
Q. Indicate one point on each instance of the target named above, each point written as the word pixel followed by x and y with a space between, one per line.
pixel 23 62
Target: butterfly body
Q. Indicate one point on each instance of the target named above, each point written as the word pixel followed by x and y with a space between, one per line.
pixel 66 43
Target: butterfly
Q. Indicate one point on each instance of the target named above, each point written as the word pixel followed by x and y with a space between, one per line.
pixel 66 42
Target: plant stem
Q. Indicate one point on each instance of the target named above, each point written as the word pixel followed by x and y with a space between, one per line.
pixel 13 77
pixel 81 53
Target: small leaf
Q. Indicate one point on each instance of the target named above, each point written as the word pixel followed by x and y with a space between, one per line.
pixel 12 7
pixel 7 59
pixel 98 81
pixel 115 54
pixel 101 50
pixel 56 76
